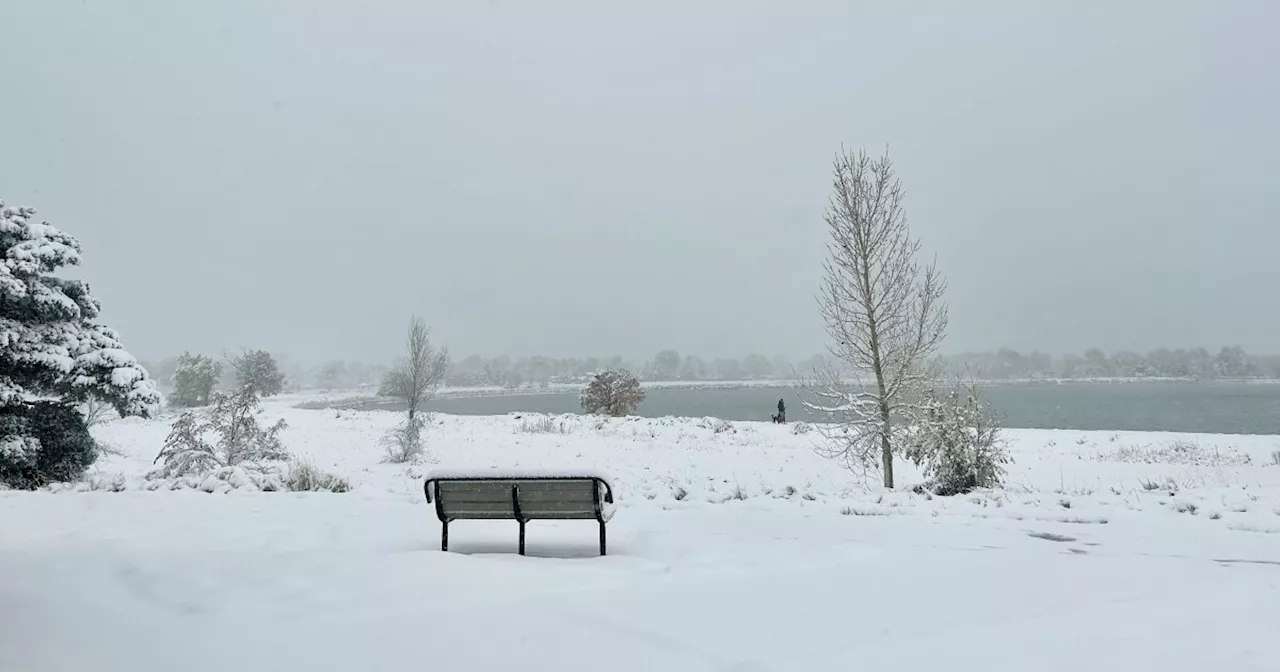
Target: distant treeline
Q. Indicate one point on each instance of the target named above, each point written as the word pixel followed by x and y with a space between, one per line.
pixel 514 372
pixel 1198 363
pixel 1003 364
pixel 670 365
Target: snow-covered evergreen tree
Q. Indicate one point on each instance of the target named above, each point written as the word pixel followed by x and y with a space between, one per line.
pixel 50 342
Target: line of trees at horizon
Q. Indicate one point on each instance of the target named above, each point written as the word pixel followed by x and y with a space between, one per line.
pixel 667 365
pixel 1230 362
pixel 514 372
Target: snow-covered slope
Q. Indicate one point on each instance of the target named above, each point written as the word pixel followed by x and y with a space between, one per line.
pixel 734 547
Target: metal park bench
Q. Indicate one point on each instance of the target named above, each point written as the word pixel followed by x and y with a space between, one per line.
pixel 519 495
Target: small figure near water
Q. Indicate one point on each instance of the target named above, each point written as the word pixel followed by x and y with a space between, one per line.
pixel 781 417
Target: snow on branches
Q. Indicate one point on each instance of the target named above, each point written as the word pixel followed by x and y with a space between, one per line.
pixel 241 440
pixel 50 343
pixel 884 313
pixel 613 392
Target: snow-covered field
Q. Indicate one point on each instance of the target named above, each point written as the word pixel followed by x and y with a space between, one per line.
pixel 734 547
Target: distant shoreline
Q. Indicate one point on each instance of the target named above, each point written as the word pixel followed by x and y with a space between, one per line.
pixel 316 399
pixel 566 388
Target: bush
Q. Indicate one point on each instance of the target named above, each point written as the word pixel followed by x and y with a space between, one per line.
pixel 958 442
pixel 306 477
pixel 1178 451
pixel 43 442
pixel 404 443
pixel 545 424
pixel 612 392
pixel 233 419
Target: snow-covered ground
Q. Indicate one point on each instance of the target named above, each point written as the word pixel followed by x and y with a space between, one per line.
pixel 734 547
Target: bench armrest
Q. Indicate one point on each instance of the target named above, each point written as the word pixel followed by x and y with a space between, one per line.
pixel 426 489
pixel 608 491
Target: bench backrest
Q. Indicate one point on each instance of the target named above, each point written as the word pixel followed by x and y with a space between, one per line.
pixel 560 498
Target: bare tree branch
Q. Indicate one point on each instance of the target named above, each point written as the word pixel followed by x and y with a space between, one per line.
pixel 424 367
pixel 415 380
pixel 885 315
pixel 95 411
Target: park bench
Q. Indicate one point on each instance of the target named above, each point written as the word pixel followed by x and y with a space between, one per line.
pixel 520 495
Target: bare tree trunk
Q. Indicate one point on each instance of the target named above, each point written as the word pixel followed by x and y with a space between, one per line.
pixel 886 448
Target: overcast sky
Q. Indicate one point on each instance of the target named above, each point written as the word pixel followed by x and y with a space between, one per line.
pixel 572 178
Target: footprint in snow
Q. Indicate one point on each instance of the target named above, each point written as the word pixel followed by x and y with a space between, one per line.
pixel 1049 536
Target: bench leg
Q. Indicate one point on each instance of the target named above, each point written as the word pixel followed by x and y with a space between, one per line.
pixel 602 538
pixel 521 537
pixel 444 537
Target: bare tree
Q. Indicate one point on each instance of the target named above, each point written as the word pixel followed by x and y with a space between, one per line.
pixel 423 369
pixel 415 382
pixel 883 312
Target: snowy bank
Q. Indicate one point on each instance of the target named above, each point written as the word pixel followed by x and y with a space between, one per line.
pixel 684 462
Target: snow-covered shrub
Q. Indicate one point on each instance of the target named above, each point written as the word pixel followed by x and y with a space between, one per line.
pixel 194 378
pixel 612 392
pixel 222 480
pixel 1275 458
pixel 259 368
pixel 801 427
pixel 404 442
pixel 43 442
pixel 1177 451
pixel 545 424
pixel 303 476
pixel 957 440
pixel 240 440
pixel 105 482
pixel 716 425
pixel 1182 506
pixel 1167 484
